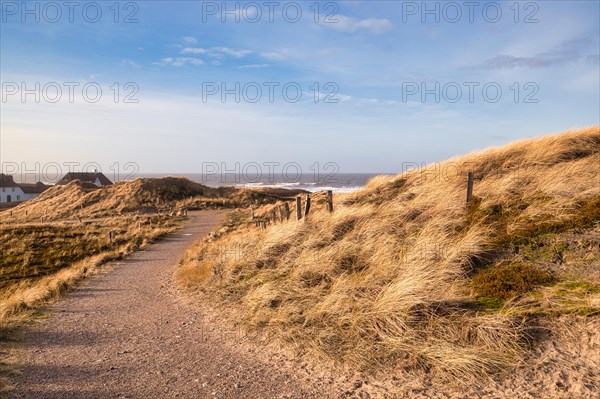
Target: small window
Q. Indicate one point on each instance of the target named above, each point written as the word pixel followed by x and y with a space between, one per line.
pixel 18 198
pixel 13 189
pixel 3 190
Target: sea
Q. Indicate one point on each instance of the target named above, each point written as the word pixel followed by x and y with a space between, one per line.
pixel 339 182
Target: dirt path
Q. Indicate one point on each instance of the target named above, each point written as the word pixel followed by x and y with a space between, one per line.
pixel 128 334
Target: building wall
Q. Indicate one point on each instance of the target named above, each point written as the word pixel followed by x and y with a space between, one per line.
pixel 16 194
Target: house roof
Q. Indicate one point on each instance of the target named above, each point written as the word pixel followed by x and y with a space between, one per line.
pixel 85 177
pixel 7 181
pixel 36 188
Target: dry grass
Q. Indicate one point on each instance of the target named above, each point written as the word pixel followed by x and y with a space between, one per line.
pixel 386 281
pixel 47 245
pixel 85 200
pixel 39 262
pixel 50 242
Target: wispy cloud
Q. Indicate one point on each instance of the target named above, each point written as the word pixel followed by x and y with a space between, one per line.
pixel 272 55
pixel 130 63
pixel 193 50
pixel 190 40
pixel 254 66
pixel 279 55
pixel 181 61
pixel 219 52
pixel 349 24
pixel 566 53
pixel 216 52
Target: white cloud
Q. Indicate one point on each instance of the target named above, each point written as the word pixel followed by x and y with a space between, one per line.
pixel 349 24
pixel 181 61
pixel 219 52
pixel 193 50
pixel 213 52
pixel 190 39
pixel 249 66
pixel 280 55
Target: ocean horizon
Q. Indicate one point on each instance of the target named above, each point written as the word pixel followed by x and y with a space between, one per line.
pixel 338 183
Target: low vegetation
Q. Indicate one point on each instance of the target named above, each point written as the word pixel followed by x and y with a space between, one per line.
pixel 47 245
pixel 51 242
pixel 39 261
pixel 79 200
pixel 403 275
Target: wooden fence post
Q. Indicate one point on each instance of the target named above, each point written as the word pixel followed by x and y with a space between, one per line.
pixel 298 208
pixel 286 206
pixel 330 201
pixel 252 212
pixel 307 206
pixel 470 177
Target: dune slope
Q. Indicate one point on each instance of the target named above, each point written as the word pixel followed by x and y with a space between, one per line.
pixel 405 275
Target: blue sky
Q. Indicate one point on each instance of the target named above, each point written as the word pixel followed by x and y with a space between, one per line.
pixel 367 56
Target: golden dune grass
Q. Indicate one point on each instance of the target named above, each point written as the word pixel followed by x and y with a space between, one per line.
pixel 88 201
pixel 25 287
pixel 386 279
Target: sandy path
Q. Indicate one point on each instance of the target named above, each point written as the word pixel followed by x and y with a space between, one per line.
pixel 128 334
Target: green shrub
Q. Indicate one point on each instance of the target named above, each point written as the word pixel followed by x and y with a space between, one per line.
pixel 509 281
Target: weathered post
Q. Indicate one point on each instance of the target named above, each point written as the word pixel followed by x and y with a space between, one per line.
pixel 252 212
pixel 470 177
pixel 286 206
pixel 298 208
pixel 307 206
pixel 330 201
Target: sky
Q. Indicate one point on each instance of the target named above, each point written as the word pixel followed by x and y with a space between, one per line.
pixel 173 86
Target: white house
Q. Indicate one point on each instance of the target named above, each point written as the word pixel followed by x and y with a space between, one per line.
pixel 11 192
